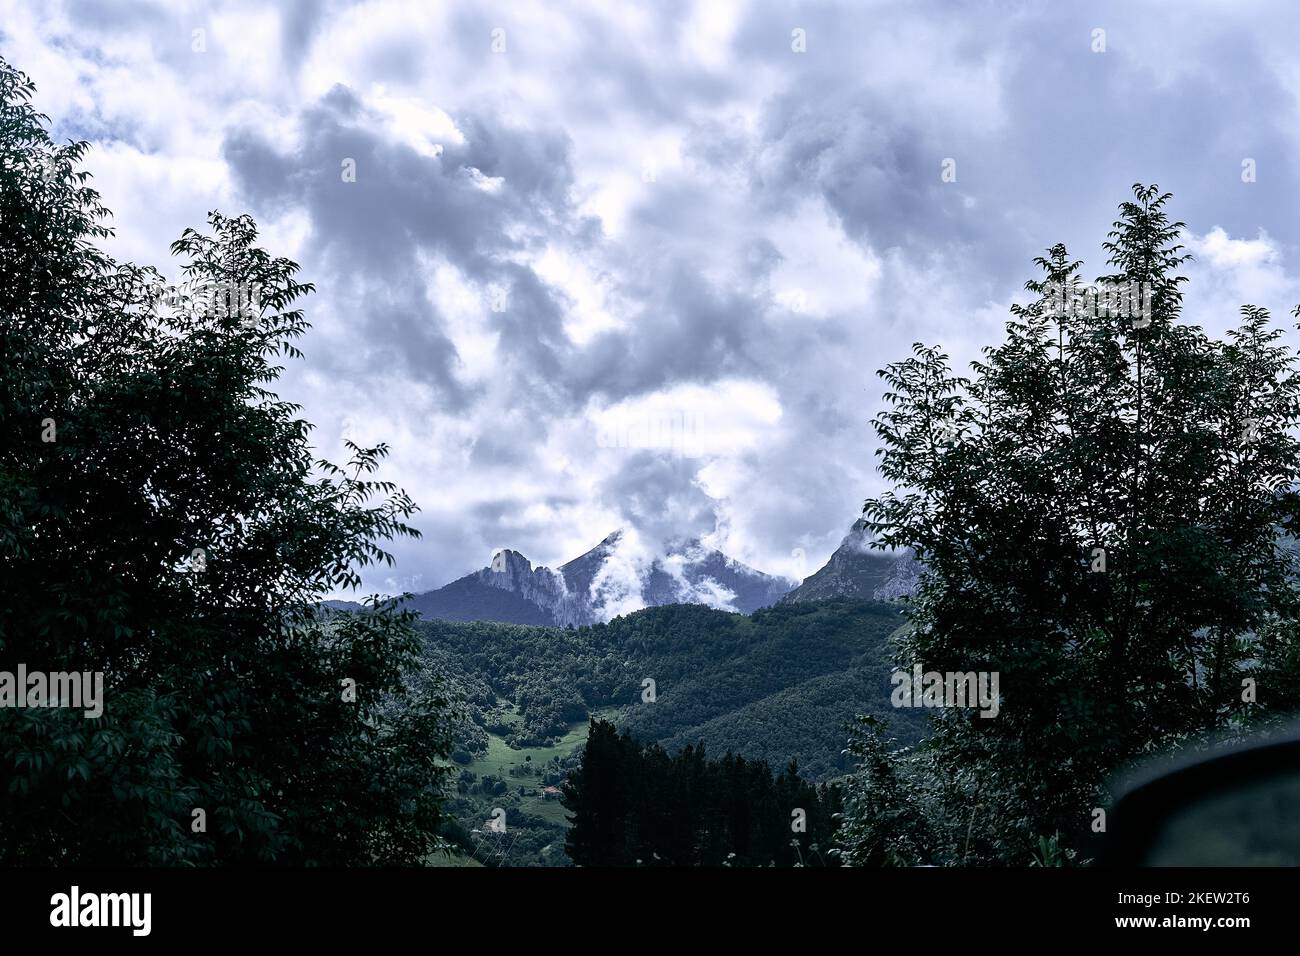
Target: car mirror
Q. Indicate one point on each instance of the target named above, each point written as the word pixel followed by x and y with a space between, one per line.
pixel 1237 805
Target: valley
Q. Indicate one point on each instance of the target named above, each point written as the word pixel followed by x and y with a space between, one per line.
pixel 781 685
pixel 742 663
pixel 516 780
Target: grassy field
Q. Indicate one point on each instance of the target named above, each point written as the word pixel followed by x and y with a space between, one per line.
pixel 501 758
pixel 442 859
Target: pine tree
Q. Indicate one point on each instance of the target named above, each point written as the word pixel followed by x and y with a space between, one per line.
pixel 596 797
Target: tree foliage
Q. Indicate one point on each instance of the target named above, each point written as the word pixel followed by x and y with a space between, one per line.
pixel 634 805
pixel 164 521
pixel 783 683
pixel 1103 510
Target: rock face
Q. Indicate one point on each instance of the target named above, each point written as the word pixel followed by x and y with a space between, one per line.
pixel 511 571
pixel 902 581
pixel 617 576
pixel 510 589
pixel 859 572
pixel 701 567
pixel 470 599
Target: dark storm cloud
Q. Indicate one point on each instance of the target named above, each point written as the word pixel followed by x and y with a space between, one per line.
pixel 1047 136
pixel 618 71
pixel 685 330
pixel 368 235
pixel 300 20
pixel 881 177
pixel 133 16
pixel 1081 127
pixel 1087 126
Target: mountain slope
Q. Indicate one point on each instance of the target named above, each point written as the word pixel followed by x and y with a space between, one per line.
pixel 470 599
pixel 617 575
pixel 808 722
pixel 787 688
pixel 782 684
pixel 857 572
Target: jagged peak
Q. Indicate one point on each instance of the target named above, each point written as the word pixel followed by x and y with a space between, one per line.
pixel 507 560
pixel 595 585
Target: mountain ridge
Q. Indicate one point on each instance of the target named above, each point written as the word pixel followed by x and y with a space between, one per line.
pixel 860 572
pixel 617 576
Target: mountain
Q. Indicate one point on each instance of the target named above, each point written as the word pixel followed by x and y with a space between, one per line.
pixel 505 595
pixel 858 572
pixel 343 605
pixel 785 682
pixel 782 684
pixel 616 577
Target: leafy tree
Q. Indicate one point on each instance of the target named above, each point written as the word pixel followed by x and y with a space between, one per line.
pixel 162 521
pixel 1101 508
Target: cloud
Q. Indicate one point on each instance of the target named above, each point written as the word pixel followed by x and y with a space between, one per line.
pixel 638 268
pixel 1227 273
pixel 1224 252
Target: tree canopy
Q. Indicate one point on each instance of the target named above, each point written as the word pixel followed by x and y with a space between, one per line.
pixel 636 805
pixel 1103 507
pixel 164 522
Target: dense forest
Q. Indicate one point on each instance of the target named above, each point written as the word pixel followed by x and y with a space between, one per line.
pixel 1105 508
pixel 636 805
pixel 783 684
pixel 165 524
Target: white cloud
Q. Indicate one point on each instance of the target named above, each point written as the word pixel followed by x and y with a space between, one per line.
pixel 692 421
pixel 720 320
pixel 1224 252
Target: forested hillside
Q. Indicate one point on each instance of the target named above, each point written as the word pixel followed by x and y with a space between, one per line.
pixel 783 684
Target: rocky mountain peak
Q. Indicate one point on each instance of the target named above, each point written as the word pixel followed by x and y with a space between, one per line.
pixel 857 570
pixel 619 575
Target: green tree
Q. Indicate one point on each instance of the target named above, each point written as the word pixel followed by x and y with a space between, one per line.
pixel 597 796
pixel 162 521
pixel 1101 509
pixel 633 804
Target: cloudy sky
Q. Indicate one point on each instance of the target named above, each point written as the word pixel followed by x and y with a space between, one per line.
pixel 586 267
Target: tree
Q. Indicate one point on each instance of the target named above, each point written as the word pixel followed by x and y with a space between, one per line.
pixel 633 804
pixel 597 796
pixel 163 522
pixel 1101 509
